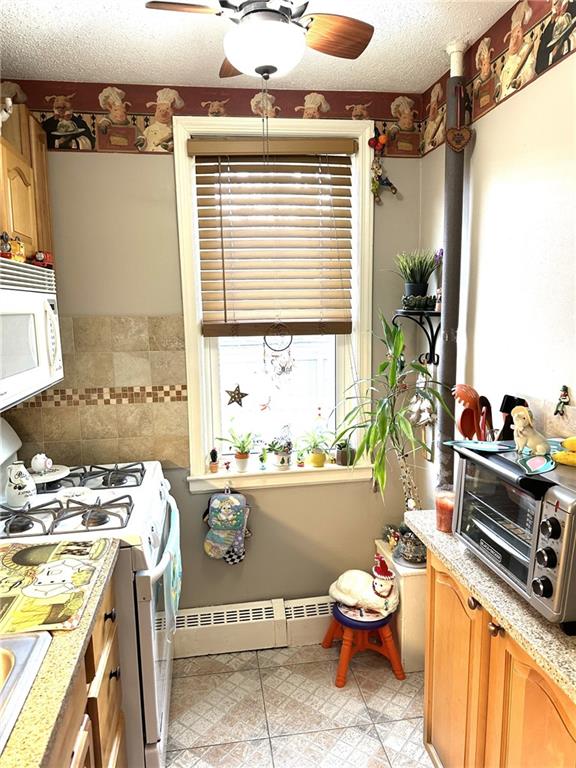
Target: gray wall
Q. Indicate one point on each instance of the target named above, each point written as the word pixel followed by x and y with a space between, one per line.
pixel 116 247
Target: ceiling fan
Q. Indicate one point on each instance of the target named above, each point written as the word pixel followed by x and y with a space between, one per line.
pixel 270 36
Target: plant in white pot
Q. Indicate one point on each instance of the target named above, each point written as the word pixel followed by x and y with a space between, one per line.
pixel 242 445
pixel 281 450
pixel 315 444
pixel 381 416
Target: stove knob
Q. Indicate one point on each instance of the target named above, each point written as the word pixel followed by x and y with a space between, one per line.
pixel 546 557
pixel 551 528
pixel 542 587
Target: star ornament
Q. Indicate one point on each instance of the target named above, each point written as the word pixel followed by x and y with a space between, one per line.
pixel 236 396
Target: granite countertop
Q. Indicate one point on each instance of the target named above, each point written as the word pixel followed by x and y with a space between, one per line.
pixel 32 736
pixel 545 642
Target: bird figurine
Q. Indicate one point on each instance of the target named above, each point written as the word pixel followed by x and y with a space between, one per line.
pixel 375 592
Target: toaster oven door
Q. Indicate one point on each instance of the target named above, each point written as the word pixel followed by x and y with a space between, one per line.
pixel 498 520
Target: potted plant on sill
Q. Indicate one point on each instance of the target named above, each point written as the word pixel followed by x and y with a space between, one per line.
pixel 345 453
pixel 381 416
pixel 416 268
pixel 281 449
pixel 242 445
pixel 316 444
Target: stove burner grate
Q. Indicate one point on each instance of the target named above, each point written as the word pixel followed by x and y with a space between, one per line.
pixel 110 515
pixel 19 521
pixel 128 475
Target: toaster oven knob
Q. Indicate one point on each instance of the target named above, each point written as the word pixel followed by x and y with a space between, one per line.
pixel 542 587
pixel 546 557
pixel 551 528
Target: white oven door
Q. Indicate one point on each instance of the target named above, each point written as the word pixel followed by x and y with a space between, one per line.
pixel 158 592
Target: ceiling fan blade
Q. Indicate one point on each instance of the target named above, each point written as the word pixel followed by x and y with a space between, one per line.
pixel 157 5
pixel 227 70
pixel 338 36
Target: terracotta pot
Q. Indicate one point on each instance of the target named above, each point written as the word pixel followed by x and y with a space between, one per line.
pixel 213 466
pixel 242 461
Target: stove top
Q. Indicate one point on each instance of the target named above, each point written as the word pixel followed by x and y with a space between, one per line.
pixel 126 501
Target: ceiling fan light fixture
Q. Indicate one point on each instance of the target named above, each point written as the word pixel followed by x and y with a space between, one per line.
pixel 265 44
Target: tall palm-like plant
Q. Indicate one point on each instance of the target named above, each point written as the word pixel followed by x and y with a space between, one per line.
pixel 381 415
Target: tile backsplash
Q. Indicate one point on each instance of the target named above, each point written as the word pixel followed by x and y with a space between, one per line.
pixel 123 398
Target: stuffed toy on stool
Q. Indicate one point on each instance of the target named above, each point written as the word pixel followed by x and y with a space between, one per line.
pixel 373 592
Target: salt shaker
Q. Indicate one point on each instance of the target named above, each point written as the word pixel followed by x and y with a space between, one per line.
pixel 20 486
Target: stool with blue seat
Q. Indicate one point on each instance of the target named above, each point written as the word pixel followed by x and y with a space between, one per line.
pixel 361 635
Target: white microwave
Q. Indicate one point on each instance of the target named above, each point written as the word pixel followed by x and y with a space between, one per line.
pixel 30 350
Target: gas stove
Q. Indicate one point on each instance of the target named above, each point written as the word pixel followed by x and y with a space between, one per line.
pixel 124 501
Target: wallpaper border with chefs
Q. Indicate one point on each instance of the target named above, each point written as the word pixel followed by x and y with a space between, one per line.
pixel 531 37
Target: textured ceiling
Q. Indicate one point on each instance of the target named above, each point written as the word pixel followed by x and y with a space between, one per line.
pixel 120 41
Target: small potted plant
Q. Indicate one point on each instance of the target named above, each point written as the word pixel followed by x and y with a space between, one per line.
pixel 242 444
pixel 213 465
pixel 281 449
pixel 316 444
pixel 345 454
pixel 416 268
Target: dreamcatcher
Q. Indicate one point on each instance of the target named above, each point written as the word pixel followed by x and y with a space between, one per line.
pixel 277 354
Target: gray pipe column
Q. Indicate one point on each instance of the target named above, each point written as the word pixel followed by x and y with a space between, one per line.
pixel 453 204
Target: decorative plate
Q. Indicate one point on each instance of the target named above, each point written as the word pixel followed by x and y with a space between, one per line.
pixel 536 465
pixel 56 472
pixel 487 446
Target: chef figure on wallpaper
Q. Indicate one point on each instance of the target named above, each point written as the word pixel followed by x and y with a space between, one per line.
pixel 64 129
pixel 520 60
pixel 112 100
pixel 559 35
pixel 435 124
pixel 157 137
pixel 402 108
pixel 264 105
pixel 485 83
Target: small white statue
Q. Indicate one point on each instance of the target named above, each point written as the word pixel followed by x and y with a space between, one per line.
pixel 40 463
pixel 375 592
pixel 525 436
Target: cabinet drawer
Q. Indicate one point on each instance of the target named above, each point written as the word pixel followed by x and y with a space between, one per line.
pixel 118 751
pixel 83 756
pixel 104 699
pixel 72 720
pixel 105 623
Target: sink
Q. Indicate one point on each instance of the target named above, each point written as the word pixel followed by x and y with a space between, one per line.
pixel 7 661
pixel 21 657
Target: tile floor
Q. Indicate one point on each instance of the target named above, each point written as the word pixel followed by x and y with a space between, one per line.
pixel 279 708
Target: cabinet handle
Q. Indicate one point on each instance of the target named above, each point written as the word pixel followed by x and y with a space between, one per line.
pixel 110 615
pixel 473 603
pixel 495 629
pixel 115 673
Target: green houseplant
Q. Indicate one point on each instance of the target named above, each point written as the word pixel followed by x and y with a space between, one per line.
pixel 381 416
pixel 345 453
pixel 416 268
pixel 316 443
pixel 242 444
pixel 281 449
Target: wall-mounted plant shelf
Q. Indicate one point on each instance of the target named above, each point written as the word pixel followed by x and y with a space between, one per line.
pixel 429 322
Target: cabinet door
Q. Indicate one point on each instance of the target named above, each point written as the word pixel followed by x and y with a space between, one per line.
pixel 40 169
pixel 16 131
pixel 457 656
pixel 531 723
pixel 83 756
pixel 19 197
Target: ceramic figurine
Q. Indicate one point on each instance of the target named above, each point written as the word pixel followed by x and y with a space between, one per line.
pixel 525 436
pixel 375 592
pixel 20 487
pixel 563 401
pixel 41 463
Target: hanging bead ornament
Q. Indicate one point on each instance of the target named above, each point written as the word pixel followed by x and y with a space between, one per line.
pixel 277 355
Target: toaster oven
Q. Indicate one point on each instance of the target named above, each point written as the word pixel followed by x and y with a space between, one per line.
pixel 522 526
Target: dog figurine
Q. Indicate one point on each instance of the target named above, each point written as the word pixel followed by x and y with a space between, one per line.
pixel 525 436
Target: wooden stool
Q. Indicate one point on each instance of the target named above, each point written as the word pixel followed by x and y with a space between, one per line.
pixel 359 636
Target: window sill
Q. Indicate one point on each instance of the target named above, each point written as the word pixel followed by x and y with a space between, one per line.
pixel 273 479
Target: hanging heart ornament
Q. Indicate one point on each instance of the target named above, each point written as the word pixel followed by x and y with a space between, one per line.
pixel 457 138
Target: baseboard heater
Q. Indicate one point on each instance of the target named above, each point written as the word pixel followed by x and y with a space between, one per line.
pixel 250 626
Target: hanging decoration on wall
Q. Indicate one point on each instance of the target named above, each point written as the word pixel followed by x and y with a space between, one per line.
pixel 277 355
pixel 236 396
pixel 378 180
pixel 458 137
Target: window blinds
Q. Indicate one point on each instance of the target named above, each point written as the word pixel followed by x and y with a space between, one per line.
pixel 275 237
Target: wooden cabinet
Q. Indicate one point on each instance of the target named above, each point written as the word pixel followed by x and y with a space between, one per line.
pixel 83 756
pixel 530 723
pixel 456 667
pixel 24 199
pixel 39 153
pixel 19 197
pixel 487 703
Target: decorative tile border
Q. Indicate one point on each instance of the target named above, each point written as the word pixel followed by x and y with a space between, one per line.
pixel 167 393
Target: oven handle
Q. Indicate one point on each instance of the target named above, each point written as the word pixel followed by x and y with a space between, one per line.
pixel 535 485
pixel 501 542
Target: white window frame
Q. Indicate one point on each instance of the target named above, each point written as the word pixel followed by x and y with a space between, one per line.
pixel 199 366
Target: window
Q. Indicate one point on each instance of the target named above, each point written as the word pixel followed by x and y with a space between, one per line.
pixel 274 250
